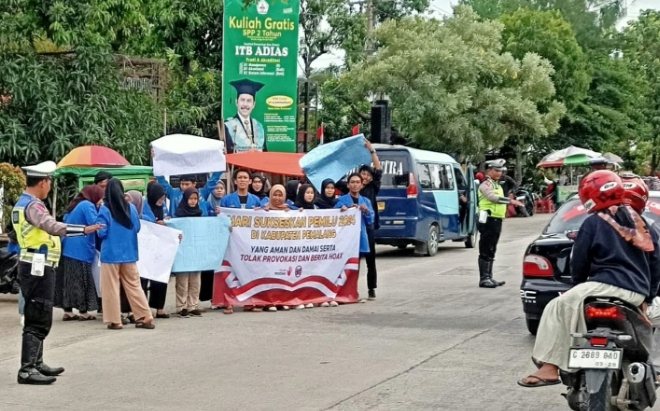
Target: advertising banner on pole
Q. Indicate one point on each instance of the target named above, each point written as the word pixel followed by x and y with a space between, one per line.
pixel 290 258
pixel 260 74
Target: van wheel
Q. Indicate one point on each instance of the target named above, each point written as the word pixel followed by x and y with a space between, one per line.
pixel 471 241
pixel 430 247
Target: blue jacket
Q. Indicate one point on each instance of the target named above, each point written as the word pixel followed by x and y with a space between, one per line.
pixel 207 210
pixel 600 254
pixel 232 201
pixel 80 248
pixel 120 244
pixel 367 218
pixel 147 214
pixel 266 200
pixel 175 195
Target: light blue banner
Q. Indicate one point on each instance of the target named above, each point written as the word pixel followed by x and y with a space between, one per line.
pixel 334 160
pixel 205 241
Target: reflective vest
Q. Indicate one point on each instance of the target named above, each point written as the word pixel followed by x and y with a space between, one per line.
pixel 32 239
pixel 496 210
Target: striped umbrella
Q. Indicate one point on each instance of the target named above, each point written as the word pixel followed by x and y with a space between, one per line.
pixel 93 156
pixel 570 156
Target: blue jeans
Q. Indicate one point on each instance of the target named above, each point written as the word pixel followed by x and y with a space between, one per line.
pixel 21 303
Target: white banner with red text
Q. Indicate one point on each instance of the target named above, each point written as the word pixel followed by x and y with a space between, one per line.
pixel 290 258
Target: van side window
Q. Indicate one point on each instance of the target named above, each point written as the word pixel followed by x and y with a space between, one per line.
pixel 443 178
pixel 424 176
pixel 461 183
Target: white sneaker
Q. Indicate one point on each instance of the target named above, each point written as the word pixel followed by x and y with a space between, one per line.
pixel 272 308
pixel 285 307
pixel 334 304
pixel 22 321
pixel 325 304
pixel 300 307
pixel 310 305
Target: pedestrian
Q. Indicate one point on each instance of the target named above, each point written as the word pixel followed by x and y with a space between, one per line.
pixel 119 254
pixel 492 211
pixel 74 282
pixel 258 186
pixel 37 234
pixel 371 180
pixel 101 179
pixel 326 198
pixel 156 206
pixel 306 197
pixel 241 198
pixel 187 181
pixel 188 284
pixel 354 199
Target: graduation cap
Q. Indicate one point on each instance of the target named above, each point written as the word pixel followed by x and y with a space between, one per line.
pixel 246 86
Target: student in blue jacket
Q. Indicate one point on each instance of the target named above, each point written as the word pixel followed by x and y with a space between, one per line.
pixel 354 199
pixel 74 282
pixel 119 254
pixel 241 198
pixel 188 181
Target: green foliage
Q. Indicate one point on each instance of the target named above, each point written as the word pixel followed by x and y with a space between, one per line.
pixel 12 182
pixel 452 88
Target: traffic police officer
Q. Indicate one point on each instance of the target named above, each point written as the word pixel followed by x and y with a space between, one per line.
pixel 492 211
pixel 37 234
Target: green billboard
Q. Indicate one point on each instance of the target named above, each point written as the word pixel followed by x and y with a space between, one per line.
pixel 260 74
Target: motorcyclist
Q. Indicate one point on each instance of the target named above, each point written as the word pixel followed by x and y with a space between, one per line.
pixel 507 182
pixel 615 255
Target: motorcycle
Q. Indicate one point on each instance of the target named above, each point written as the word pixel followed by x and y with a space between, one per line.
pixel 525 195
pixel 612 367
pixel 8 272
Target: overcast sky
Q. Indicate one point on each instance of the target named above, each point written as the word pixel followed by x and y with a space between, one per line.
pixel 441 8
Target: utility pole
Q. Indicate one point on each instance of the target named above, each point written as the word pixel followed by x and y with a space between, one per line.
pixel 306 117
pixel 370 26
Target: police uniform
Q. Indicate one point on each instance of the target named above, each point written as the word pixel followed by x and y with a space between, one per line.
pixel 493 202
pixel 245 134
pixel 37 234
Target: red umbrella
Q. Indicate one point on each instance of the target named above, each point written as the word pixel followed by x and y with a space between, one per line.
pixel 93 156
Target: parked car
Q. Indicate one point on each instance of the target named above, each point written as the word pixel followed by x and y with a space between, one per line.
pixel 546 266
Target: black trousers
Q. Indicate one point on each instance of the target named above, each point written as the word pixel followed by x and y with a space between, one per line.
pixel 38 293
pixel 206 288
pixel 490 235
pixel 157 292
pixel 372 274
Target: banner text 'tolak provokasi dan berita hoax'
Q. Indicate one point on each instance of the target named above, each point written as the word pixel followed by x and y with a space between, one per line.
pixel 260 74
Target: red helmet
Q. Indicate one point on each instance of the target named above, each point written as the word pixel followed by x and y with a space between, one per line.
pixel 601 189
pixel 637 192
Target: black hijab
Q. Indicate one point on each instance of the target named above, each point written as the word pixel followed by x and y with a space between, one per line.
pixel 185 210
pixel 261 193
pixel 300 198
pixel 154 193
pixel 117 204
pixel 292 190
pixel 322 201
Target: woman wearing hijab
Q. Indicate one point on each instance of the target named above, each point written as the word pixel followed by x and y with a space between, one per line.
pixel 216 195
pixel 258 186
pixel 188 284
pixel 119 253
pixel 277 200
pixel 292 190
pixel 74 283
pixel 305 198
pixel 326 198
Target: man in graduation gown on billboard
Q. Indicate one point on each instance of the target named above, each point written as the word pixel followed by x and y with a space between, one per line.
pixel 242 132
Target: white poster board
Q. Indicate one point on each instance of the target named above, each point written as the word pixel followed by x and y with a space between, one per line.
pixel 179 154
pixel 157 247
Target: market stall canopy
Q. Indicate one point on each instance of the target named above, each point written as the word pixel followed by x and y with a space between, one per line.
pixel 268 162
pixel 613 158
pixel 93 156
pixel 570 156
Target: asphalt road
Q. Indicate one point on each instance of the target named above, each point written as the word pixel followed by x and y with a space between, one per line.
pixel 432 341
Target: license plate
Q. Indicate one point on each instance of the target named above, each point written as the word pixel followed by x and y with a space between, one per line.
pixel 381 205
pixel 589 358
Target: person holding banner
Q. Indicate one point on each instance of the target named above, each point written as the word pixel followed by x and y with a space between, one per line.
pixel 156 201
pixel 277 200
pixel 306 197
pixel 119 253
pixel 188 284
pixel 354 199
pixel 215 198
pixel 187 181
pixel 241 198
pixel 326 198
pixel 258 186
pixel 371 180
pixel 74 283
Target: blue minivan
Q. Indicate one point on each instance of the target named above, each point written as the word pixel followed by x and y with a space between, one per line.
pixel 420 200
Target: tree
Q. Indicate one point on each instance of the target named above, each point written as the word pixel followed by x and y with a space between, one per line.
pixel 451 87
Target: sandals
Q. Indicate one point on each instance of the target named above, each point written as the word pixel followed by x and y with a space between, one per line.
pixel 113 326
pixel 67 317
pixel 88 318
pixel 147 326
pixel 540 382
pixel 162 315
pixel 229 310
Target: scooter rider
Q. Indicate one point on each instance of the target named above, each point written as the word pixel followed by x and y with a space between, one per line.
pixel 37 234
pixel 615 255
pixel 492 211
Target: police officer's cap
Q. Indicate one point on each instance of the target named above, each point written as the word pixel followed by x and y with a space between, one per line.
pixel 495 164
pixel 45 169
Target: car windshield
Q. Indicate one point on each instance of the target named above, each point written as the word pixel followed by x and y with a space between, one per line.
pixel 572 214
